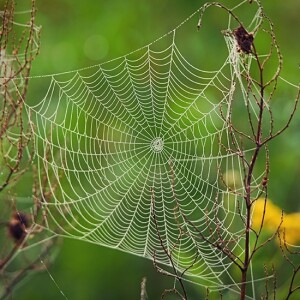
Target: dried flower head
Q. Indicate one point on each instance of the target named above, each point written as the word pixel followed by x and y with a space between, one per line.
pixel 17 226
pixel 244 39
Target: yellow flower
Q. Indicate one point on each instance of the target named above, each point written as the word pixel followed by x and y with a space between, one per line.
pixel 272 215
pixel 233 179
pixel 272 218
pixel 291 225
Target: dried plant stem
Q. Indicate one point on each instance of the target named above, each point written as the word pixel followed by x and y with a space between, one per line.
pixel 143 289
pixel 255 91
pixel 249 177
pixel 32 266
pixel 168 252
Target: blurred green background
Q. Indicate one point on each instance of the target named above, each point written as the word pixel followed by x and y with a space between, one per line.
pixel 77 34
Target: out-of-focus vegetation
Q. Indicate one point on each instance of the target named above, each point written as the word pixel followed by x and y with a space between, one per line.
pixel 76 34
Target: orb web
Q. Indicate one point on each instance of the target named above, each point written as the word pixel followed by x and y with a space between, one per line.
pixel 133 139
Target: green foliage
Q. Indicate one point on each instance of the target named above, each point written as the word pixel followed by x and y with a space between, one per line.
pixel 80 33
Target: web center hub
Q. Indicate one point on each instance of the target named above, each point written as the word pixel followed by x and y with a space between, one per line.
pixel 157 145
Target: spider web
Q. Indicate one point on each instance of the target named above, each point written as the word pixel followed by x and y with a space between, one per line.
pixel 136 147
